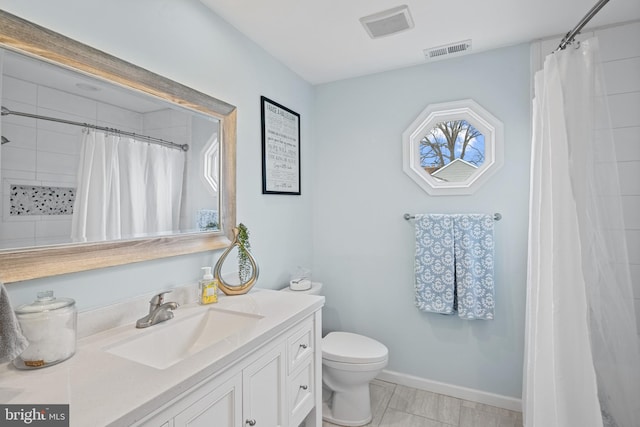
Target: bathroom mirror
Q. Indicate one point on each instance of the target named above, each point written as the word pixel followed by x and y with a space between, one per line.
pixel 47 75
pixel 452 148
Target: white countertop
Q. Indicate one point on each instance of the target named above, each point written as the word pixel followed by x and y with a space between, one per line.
pixel 105 389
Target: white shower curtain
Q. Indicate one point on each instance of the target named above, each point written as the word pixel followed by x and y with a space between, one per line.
pixel 126 189
pixel 582 366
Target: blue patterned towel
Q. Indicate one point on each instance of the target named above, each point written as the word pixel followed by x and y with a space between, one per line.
pixel 435 264
pixel 454 264
pixel 473 242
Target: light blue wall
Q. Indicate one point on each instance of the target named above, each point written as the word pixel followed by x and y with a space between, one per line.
pixel 363 248
pixel 185 41
pixel 353 189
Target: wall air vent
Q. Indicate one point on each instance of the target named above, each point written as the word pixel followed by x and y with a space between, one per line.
pixel 388 22
pixel 448 50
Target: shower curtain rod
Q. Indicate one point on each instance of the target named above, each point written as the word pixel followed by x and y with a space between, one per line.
pixel 183 147
pixel 568 38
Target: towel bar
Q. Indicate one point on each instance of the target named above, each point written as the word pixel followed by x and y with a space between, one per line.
pixel 496 216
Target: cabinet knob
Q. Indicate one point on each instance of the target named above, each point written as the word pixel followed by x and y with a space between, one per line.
pixel 304 387
pixel 250 422
pixel 303 346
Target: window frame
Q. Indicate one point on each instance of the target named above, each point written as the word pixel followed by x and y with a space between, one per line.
pixel 478 117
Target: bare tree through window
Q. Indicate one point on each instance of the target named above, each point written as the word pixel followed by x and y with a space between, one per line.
pixel 451 140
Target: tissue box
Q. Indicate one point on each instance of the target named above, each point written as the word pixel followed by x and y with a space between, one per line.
pixel 300 285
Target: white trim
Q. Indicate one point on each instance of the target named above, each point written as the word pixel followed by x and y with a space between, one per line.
pixel 479 396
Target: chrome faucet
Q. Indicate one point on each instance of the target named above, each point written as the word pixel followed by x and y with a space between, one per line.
pixel 159 311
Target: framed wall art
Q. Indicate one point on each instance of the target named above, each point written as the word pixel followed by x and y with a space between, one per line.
pixel 280 149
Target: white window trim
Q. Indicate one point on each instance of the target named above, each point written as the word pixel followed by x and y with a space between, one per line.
pixel 465 109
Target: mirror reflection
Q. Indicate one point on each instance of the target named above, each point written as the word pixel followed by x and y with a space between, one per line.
pixel 141 167
pixel 452 151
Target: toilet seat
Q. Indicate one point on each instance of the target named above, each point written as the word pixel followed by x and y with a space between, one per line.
pixel 354 367
pixel 346 347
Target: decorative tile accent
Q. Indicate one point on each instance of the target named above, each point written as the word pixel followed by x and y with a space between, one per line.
pixel 38 200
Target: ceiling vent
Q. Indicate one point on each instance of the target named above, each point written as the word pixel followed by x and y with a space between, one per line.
pixel 448 50
pixel 388 22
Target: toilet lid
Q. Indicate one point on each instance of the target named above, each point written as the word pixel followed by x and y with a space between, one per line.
pixel 352 348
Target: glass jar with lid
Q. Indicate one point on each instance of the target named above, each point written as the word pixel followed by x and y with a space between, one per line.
pixel 50 325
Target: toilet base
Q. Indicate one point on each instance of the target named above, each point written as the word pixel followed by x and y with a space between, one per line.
pixel 328 416
pixel 348 409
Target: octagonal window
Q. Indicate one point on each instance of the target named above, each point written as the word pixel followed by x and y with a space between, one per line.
pixel 451 148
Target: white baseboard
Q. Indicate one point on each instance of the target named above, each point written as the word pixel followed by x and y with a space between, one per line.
pixel 473 395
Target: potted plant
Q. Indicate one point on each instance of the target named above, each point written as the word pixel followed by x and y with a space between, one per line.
pixel 244 266
pixel 247 266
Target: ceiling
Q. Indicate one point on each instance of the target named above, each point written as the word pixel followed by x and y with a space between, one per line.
pixel 323 40
pixel 32 70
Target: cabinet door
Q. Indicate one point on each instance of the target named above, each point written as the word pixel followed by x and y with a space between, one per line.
pixel 263 390
pixel 220 408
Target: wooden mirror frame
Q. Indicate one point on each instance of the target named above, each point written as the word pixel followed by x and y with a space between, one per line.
pixel 19 35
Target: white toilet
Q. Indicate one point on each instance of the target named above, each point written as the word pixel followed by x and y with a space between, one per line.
pixel 349 363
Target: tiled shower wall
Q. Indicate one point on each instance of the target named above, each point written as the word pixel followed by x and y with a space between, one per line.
pixel 44 153
pixel 620 53
pixel 621 62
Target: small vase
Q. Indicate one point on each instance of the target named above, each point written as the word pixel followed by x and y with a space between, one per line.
pixel 242 288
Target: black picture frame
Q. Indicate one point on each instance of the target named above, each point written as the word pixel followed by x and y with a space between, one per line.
pixel 280 148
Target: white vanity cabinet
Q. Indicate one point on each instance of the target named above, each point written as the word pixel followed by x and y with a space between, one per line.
pixel 267 370
pixel 273 386
pixel 301 371
pixel 217 407
pixel 263 389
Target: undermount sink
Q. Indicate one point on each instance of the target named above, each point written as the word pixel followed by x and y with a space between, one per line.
pixel 170 342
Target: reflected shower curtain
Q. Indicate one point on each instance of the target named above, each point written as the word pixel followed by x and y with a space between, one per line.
pixel 126 189
pixel 582 366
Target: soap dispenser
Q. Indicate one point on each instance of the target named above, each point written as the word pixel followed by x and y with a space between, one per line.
pixel 208 288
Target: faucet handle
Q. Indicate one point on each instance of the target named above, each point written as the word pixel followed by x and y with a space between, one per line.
pixel 158 299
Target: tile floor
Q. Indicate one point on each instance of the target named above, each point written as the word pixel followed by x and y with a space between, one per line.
pixel 395 405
